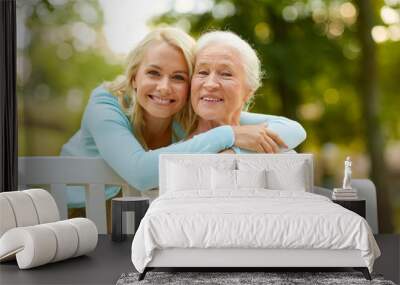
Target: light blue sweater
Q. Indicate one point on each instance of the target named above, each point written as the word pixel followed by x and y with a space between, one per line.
pixel 106 132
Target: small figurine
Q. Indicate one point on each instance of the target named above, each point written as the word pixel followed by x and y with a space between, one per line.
pixel 347 174
pixel 346 192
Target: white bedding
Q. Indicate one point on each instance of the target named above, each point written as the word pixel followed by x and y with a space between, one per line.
pixel 251 218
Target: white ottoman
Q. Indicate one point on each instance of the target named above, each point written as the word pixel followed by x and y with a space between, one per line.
pixel 31 233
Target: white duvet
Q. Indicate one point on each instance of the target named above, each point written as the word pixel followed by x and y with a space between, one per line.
pixel 252 218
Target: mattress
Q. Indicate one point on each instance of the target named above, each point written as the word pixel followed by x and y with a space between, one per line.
pixel 250 218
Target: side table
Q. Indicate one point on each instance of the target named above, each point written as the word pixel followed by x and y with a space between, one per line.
pixel 357 206
pixel 139 205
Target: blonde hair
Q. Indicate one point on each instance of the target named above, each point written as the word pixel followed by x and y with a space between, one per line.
pixel 251 62
pixel 122 85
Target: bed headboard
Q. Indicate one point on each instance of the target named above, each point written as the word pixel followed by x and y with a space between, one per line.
pixel 272 160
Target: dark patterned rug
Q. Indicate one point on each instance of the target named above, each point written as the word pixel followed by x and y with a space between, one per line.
pixel 230 278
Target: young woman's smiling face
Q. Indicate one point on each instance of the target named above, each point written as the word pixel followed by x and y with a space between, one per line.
pixel 218 89
pixel 162 81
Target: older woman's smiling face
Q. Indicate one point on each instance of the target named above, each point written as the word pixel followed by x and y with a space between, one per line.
pixel 219 87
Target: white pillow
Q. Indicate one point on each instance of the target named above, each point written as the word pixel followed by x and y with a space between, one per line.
pixel 223 179
pixel 282 174
pixel 251 179
pixel 181 177
pixel 293 180
pixel 236 179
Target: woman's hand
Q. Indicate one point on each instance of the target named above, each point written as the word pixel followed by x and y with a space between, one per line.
pixel 227 151
pixel 257 138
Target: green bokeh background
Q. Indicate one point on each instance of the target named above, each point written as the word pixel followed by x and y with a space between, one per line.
pixel 311 56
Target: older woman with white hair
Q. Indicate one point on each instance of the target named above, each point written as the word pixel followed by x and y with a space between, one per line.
pixel 226 76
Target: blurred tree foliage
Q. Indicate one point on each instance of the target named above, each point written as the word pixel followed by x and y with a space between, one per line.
pixel 61 57
pixel 312 59
pixel 310 55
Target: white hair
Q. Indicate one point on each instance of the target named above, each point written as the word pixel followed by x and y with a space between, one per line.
pixel 251 62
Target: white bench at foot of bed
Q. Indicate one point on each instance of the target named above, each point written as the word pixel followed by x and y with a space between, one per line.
pixel 238 257
pixel 253 258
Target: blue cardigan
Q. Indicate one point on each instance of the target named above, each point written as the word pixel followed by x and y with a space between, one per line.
pixel 106 132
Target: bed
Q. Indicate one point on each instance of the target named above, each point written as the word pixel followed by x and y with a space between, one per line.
pixel 250 210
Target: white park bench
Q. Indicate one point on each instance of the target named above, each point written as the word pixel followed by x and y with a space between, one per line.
pixel 58 172
pixel 95 174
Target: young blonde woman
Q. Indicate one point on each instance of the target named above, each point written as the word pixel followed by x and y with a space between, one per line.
pixel 130 121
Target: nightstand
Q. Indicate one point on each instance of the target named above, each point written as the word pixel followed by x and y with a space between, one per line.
pixel 357 206
pixel 139 205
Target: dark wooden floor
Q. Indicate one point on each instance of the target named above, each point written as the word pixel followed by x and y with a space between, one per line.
pixel 110 260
